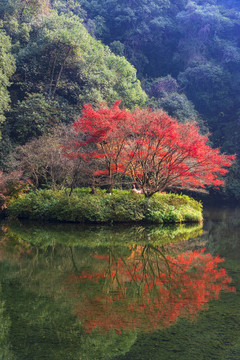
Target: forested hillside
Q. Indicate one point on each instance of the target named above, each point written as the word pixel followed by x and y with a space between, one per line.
pixel 59 67
pixel 61 54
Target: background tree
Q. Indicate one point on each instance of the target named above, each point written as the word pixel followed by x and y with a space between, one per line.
pixel 165 94
pixel 33 117
pixel 74 68
pixel 42 161
pixel 7 68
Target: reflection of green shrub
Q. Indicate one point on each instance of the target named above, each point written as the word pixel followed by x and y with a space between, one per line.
pixel 120 206
pixel 100 235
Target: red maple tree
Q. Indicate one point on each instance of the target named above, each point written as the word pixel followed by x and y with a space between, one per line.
pixel 104 133
pixel 147 148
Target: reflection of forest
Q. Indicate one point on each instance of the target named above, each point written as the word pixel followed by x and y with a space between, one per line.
pixel 222 229
pixel 5 352
pixel 77 300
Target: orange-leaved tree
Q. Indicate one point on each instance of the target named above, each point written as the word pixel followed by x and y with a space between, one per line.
pixel 148 148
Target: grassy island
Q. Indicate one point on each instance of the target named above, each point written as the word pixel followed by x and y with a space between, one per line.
pixel 119 206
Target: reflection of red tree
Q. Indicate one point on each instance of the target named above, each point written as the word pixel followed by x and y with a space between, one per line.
pixel 148 292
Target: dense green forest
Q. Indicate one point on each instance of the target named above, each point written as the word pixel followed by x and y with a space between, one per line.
pixel 178 55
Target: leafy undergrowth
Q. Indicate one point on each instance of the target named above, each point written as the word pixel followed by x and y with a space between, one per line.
pixel 120 206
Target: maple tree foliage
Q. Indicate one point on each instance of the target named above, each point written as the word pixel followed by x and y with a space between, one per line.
pixel 104 133
pixel 148 148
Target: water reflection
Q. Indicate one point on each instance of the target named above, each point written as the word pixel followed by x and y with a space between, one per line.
pixel 148 289
pixel 44 235
pixel 5 351
pixel 222 232
pixel 90 292
pixel 117 287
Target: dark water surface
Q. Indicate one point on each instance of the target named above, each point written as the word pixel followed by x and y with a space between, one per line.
pixel 121 292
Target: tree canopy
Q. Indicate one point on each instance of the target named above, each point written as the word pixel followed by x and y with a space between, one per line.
pixel 7 68
pixel 148 148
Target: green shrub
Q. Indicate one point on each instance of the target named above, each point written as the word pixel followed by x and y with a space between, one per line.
pixel 172 215
pixel 127 207
pixel 155 216
pixel 120 206
pixel 81 191
pixel 189 214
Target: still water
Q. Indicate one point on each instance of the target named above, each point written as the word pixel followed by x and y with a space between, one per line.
pixel 121 292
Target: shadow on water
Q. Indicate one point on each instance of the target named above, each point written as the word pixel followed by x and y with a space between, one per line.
pixel 119 292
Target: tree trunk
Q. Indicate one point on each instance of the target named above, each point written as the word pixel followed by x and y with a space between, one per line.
pixel 60 73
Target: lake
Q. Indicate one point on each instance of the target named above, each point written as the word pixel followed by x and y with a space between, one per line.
pixel 121 292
